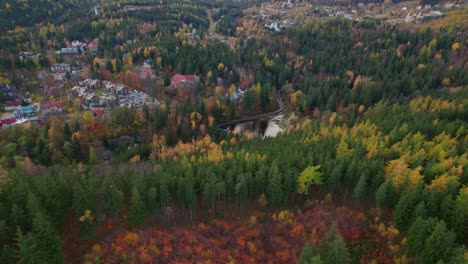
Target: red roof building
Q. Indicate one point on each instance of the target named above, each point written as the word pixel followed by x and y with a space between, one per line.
pixel 12 103
pixel 10 106
pixel 98 112
pixel 8 122
pixel 182 79
pixel 146 73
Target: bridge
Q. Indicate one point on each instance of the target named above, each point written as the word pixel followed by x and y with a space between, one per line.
pixel 251 118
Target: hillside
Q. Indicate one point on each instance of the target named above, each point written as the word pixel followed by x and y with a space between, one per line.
pixel 233 132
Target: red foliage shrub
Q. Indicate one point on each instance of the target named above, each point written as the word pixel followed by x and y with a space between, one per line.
pixel 268 239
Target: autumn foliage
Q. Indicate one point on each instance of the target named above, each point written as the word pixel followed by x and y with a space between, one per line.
pixel 262 238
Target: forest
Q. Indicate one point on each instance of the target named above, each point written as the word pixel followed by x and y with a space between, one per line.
pixel 407 158
pixel 373 168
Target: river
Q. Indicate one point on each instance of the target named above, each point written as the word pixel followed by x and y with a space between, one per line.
pixel 260 127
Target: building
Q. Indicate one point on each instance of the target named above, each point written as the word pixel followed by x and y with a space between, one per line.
pixel 59 76
pixel 7 122
pixel 9 90
pixel 60 67
pixel 10 106
pixel 146 72
pixel 69 51
pixel 92 48
pixel 185 80
pixel 24 55
pixel 25 111
pixel 76 44
pixel 121 89
pixel 91 84
pixel 91 98
pixel 51 108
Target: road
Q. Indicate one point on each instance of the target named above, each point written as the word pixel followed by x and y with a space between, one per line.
pixel 212 31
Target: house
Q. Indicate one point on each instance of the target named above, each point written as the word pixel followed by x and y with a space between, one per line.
pixel 91 84
pixel 51 108
pixel 78 91
pixel 186 80
pixel 92 48
pixel 236 96
pixel 146 72
pixel 60 67
pixel 10 106
pixel 27 98
pixel 106 99
pixel 69 51
pixel 244 84
pixel 76 43
pixel 121 89
pixel 8 122
pixel 91 99
pixel 449 5
pixel 23 55
pixel 109 86
pixel 98 112
pixel 9 90
pixel 59 76
pixel 25 111
pixel 273 26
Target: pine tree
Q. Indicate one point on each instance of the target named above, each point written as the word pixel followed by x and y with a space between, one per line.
pixel 164 195
pixel 7 255
pixel 48 241
pixel 137 213
pixel 190 196
pixel 439 245
pixel 385 195
pixel 153 199
pixel 404 210
pixel 19 217
pixel 360 187
pixel 335 250
pixel 113 199
pixel 241 190
pixel 275 189
pixel 417 234
pixel 27 248
pixel 309 255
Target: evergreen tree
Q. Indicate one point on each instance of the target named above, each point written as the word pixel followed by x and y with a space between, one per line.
pixel 27 248
pixel 48 241
pixel 360 187
pixel 152 199
pixel 190 196
pixel 404 210
pixel 7 255
pixel 385 195
pixel 137 212
pixel 309 255
pixel 417 234
pixel 275 189
pixel 335 250
pixel 113 199
pixel 439 245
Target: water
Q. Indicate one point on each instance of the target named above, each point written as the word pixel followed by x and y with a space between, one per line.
pixel 258 128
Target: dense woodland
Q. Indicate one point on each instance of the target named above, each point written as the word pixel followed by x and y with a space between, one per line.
pixel 374 170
